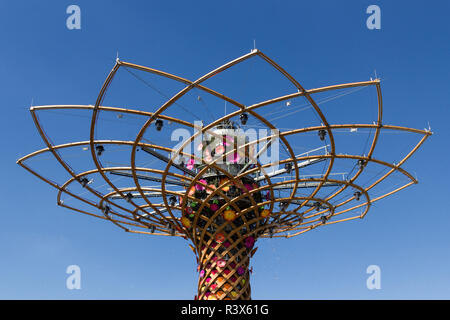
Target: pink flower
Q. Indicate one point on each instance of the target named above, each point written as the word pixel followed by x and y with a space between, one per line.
pixel 233 158
pixel 221 263
pixel 199 187
pixel 202 273
pixel 228 140
pixel 190 164
pixel 208 159
pixel 214 207
pixel 220 149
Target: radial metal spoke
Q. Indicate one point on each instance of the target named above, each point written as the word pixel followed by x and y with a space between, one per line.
pixel 167 160
pixel 150 178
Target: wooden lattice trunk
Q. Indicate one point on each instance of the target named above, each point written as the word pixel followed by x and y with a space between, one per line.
pixel 224 271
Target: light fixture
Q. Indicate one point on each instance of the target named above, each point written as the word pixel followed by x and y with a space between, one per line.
pixel 106 209
pixel 99 150
pixel 172 200
pixel 317 205
pixel 244 118
pixel 159 124
pixel 129 196
pixel 361 163
pixel 357 195
pixel 84 182
pixel 322 133
pixel 288 167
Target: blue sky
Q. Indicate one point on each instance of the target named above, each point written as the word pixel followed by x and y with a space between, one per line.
pixel 319 43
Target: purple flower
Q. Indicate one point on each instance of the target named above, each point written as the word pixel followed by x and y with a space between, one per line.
pixel 249 242
pixel 240 271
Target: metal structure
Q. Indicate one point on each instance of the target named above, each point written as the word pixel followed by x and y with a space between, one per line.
pixel 222 207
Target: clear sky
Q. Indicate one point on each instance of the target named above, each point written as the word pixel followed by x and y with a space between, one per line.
pixel 319 43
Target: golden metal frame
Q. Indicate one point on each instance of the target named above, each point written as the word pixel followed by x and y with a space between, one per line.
pixel 149 216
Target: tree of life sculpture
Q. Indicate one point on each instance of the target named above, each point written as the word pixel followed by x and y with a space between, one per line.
pixel 227 198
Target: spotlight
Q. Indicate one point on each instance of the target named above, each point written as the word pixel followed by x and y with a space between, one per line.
pixel 129 196
pixel 288 167
pixel 322 134
pixel 357 195
pixel 84 182
pixel 244 118
pixel 99 150
pixel 317 205
pixel 152 229
pixel 271 232
pixel 324 219
pixel 106 209
pixel 361 163
pixel 172 200
pixel 159 124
